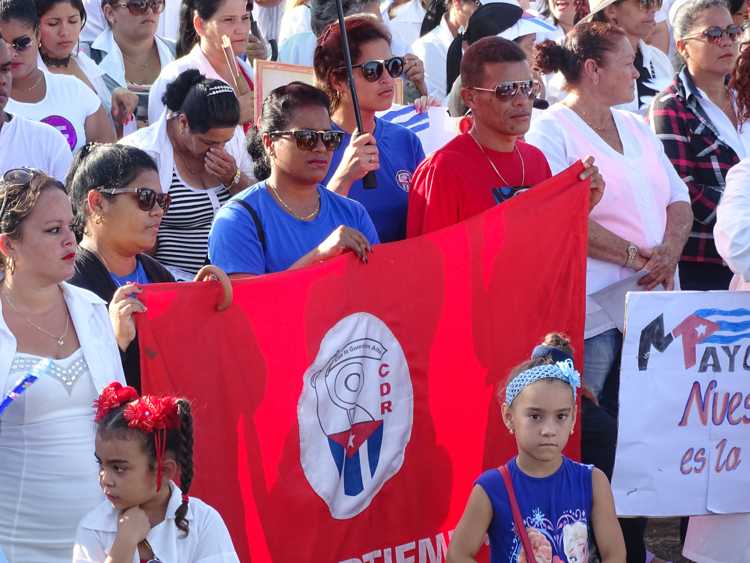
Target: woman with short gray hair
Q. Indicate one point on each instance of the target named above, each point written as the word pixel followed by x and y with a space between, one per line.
pixel 696 120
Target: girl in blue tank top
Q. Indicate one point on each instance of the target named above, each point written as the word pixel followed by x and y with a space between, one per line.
pixel 566 507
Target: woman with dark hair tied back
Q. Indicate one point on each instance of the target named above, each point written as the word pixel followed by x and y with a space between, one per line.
pixel 130 55
pixel 60 24
pixel 644 217
pixel 389 150
pixel 202 161
pixel 64 101
pixel 697 120
pixel 289 219
pixel 118 205
pixel 203 23
pixel 57 353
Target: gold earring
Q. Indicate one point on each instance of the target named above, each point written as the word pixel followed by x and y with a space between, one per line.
pixel 11 264
pixel 98 220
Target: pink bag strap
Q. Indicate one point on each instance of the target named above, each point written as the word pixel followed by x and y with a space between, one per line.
pixel 517 520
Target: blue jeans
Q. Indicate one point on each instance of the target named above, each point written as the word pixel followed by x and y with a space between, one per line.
pixel 601 353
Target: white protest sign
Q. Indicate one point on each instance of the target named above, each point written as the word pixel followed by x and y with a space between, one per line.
pixel 683 445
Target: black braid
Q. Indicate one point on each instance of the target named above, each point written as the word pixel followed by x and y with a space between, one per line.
pixel 184 455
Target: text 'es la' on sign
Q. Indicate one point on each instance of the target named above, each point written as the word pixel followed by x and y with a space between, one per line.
pixel 684 422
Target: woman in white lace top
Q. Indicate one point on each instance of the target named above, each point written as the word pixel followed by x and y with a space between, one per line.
pixel 48 477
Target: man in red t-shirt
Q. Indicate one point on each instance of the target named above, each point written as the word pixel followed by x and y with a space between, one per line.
pixel 489 164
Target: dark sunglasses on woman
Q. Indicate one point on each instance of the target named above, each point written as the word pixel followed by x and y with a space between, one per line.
pixel 140 7
pixel 509 89
pixel 20 44
pixel 307 139
pixel 373 70
pixel 146 197
pixel 715 34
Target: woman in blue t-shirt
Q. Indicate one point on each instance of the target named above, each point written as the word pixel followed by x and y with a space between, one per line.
pixel 289 220
pixel 559 502
pixel 393 152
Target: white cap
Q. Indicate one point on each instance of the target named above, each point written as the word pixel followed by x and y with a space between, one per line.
pixel 526 25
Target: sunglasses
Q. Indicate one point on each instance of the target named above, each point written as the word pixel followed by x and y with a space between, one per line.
pixel 307 139
pixel 17 177
pixel 140 7
pixel 715 34
pixel 20 44
pixel 505 91
pixel 146 197
pixel 373 70
pixel 20 176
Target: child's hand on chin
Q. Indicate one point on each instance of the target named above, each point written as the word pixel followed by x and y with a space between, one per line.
pixel 133 526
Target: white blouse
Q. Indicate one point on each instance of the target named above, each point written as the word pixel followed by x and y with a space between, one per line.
pixel 732 228
pixel 208 540
pixel 640 184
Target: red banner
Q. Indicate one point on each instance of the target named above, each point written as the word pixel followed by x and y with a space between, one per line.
pixel 344 410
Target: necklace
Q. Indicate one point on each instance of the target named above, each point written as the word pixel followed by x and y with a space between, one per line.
pixel 60 339
pixel 587 120
pixel 52 61
pixel 492 164
pixel 289 209
pixel 38 80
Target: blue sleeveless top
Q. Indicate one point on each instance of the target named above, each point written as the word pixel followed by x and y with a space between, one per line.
pixel 556 511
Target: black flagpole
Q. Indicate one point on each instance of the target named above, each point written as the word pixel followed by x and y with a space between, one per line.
pixel 369 181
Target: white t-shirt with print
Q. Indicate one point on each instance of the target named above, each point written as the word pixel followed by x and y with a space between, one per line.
pixel 36 145
pixel 66 105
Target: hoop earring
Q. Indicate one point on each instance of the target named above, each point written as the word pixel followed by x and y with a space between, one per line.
pixel 98 220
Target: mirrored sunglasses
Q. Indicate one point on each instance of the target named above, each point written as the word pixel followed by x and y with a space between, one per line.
pixel 508 90
pixel 146 197
pixel 307 139
pixel 715 34
pixel 373 70
pixel 140 7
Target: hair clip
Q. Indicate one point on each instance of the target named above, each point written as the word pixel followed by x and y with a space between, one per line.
pixel 223 89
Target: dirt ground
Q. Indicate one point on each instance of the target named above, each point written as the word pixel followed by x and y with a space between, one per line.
pixel 663 539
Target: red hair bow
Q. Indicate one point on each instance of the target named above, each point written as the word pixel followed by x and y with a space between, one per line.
pixel 154 415
pixel 150 413
pixel 113 396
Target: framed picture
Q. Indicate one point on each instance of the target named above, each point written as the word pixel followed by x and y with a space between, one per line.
pixel 270 75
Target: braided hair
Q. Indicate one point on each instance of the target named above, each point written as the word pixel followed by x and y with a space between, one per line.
pixel 179 442
pixel 184 457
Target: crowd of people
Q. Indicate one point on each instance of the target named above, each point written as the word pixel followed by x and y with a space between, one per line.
pixel 130 154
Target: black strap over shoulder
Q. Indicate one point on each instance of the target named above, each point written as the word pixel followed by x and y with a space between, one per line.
pixel 256 219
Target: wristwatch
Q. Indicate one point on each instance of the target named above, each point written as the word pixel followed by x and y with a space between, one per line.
pixel 632 252
pixel 235 179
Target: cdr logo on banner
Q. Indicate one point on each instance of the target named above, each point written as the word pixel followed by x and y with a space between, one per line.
pixel 355 414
